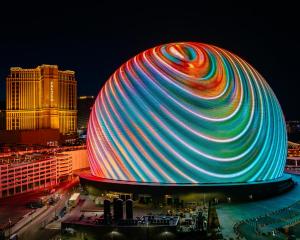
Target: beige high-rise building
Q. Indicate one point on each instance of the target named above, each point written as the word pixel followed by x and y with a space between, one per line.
pixel 41 98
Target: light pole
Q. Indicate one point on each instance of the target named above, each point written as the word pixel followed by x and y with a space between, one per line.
pixel 147 230
pixel 113 233
pixel 9 227
pixel 165 234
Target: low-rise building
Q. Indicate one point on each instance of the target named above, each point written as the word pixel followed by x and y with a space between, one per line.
pixel 293 165
pixel 293 160
pixel 19 174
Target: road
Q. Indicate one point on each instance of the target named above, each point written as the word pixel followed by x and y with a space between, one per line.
pixel 35 229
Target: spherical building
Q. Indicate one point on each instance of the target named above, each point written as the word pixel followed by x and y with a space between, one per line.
pixel 186 113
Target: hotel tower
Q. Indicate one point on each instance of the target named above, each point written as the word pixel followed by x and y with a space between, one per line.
pixel 41 98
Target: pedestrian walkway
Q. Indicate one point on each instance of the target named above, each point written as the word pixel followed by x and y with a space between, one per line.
pixel 231 213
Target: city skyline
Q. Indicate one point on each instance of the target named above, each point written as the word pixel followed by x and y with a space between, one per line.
pixel 145 120
pixel 88 40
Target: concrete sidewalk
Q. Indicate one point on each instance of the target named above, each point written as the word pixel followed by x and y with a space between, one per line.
pixel 231 213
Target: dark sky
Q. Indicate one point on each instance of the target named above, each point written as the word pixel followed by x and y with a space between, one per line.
pixel 95 39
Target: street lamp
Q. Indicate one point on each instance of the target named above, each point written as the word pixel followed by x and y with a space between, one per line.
pixel 9 227
pixel 114 233
pixel 165 234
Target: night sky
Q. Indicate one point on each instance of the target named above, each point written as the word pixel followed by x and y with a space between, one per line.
pixel 94 40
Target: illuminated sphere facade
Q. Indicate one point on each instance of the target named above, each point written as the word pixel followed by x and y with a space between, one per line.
pixel 186 113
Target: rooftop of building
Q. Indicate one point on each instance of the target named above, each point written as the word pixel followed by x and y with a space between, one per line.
pixel 296 158
pixel 18 160
pixel 23 148
pixel 85 97
pixel 144 221
pixel 293 121
pixel 17 155
pixel 39 67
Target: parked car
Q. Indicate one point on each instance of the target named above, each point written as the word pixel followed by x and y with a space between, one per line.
pixel 34 205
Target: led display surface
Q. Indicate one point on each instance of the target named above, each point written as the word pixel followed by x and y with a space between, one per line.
pixel 186 113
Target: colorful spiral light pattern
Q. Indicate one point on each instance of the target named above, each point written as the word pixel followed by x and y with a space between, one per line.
pixel 186 113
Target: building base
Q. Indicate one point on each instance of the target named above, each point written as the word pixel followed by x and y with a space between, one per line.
pixel 227 191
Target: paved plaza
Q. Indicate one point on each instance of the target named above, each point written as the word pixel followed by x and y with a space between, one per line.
pixel 231 213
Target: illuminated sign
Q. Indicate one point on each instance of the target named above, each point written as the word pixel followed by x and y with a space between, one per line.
pixel 51 91
pixel 187 113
